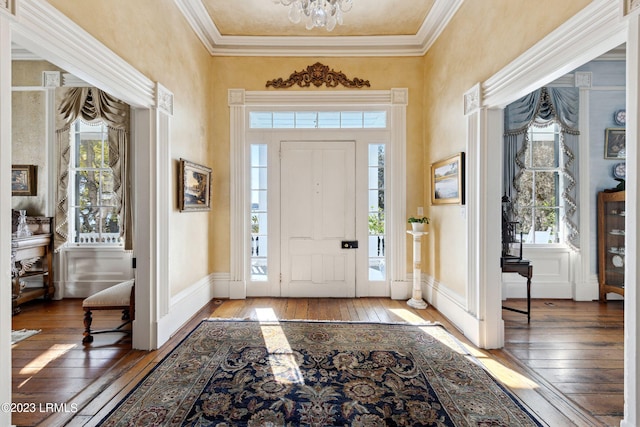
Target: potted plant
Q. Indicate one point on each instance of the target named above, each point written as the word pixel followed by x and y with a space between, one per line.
pixel 417 224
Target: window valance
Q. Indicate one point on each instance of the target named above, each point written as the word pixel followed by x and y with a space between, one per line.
pixel 540 108
pixel 92 104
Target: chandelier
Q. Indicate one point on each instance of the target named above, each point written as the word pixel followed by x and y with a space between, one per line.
pixel 317 13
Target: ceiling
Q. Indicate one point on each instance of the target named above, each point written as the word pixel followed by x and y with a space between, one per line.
pixel 371 28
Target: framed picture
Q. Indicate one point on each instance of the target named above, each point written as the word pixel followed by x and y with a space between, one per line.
pixel 447 177
pixel 194 187
pixel 615 144
pixel 23 180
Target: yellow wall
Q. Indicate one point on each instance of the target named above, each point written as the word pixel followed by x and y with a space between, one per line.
pixel 154 37
pixel 482 38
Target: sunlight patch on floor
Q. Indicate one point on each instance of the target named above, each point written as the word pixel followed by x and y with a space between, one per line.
pixel 282 360
pixel 54 352
pixel 407 316
pixel 507 376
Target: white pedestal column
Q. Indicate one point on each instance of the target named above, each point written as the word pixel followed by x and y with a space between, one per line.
pixel 416 300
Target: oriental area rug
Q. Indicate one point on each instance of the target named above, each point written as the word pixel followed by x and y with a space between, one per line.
pixel 299 373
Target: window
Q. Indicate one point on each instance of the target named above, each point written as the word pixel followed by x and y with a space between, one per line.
pixel 538 205
pixel 377 212
pixel 318 119
pixel 93 204
pixel 259 234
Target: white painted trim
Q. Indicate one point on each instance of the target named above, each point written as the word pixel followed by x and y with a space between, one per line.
pixel 240 102
pixel 632 296
pixel 396 215
pixel 184 305
pixel 239 199
pixel 596 28
pixel 445 301
pixel 5 217
pixel 164 201
pixel 217 44
pixel 187 303
pixel 583 289
pixel 43 30
pixel 473 200
pixel 436 21
pixel 221 285
pixel 145 229
pixel 50 138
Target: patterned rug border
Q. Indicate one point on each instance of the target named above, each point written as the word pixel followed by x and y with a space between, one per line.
pixel 533 416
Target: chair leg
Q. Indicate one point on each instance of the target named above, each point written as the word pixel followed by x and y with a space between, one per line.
pixel 88 338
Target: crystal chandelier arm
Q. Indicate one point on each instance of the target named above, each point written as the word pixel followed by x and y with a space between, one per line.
pixel 317 13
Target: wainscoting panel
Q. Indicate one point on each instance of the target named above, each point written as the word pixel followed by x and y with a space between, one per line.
pixel 551 275
pixel 83 272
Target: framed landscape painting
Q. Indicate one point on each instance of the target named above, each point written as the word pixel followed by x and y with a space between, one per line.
pixel 194 187
pixel 447 178
pixel 23 180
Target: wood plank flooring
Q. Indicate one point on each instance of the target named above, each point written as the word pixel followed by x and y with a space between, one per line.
pixel 566 366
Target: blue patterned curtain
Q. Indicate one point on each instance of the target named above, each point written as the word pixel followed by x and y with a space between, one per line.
pixel 540 108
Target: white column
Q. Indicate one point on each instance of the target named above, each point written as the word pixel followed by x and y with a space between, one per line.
pixel 416 300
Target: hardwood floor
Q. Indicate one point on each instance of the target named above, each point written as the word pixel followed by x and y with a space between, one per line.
pixel 566 365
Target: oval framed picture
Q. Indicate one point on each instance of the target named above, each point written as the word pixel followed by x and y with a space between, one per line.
pixel 620 117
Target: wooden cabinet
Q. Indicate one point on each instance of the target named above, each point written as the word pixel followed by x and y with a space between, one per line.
pixel 611 242
pixel 31 264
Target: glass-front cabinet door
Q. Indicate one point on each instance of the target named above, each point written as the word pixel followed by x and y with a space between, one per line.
pixel 611 243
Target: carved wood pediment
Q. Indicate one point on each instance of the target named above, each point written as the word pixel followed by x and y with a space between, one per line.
pixel 317 75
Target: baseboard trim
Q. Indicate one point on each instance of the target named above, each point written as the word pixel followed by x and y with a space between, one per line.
pixel 451 306
pixel 184 306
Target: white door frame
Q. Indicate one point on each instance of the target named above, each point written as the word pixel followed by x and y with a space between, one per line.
pixel 40 28
pixel 241 101
pixel 595 30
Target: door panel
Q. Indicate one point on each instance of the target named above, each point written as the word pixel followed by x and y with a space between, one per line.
pixel 318 213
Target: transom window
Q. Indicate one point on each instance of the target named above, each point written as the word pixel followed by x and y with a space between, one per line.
pixel 93 204
pixel 318 119
pixel 538 206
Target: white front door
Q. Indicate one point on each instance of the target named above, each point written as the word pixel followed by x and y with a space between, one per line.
pixel 318 217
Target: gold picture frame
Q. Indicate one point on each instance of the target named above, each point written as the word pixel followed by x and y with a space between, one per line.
pixel 194 187
pixel 24 180
pixel 447 181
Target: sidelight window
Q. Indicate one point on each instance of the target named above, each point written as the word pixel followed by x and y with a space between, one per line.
pixel 259 212
pixel 377 231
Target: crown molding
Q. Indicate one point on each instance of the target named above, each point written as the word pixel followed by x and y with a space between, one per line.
pixel 217 44
pixel 436 21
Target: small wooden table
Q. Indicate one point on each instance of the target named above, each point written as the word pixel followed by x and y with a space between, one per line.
pixel 524 268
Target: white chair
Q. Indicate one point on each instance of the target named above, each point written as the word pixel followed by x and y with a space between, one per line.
pixel 116 297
